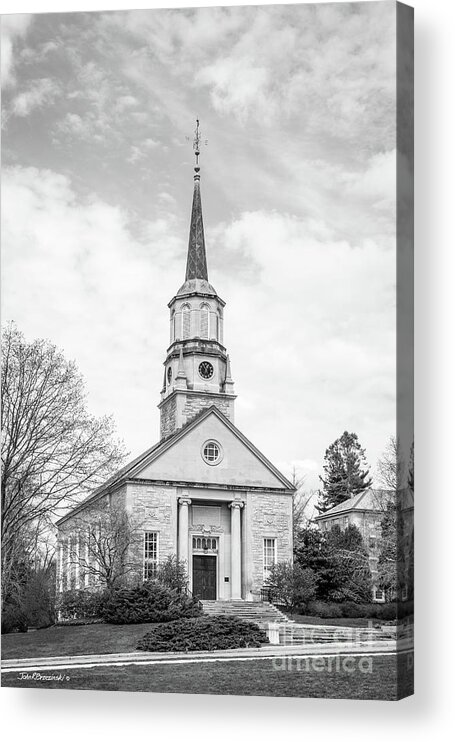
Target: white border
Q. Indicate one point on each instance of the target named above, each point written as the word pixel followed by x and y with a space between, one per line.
pixel 34 714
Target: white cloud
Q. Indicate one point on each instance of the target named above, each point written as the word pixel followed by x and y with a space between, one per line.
pixel 40 93
pixel 141 151
pixel 311 332
pixel 298 105
pixel 13 28
pixel 236 86
pixel 73 272
pixel 377 182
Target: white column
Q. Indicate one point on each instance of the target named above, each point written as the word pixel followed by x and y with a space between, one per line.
pixel 184 503
pixel 76 562
pixel 60 566
pixel 236 551
pixel 86 557
pixel 68 564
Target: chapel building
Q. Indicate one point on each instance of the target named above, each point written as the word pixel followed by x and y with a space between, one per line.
pixel 204 492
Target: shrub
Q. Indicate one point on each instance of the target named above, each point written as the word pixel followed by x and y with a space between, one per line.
pixel 80 606
pixel 172 573
pixel 382 611
pixel 291 585
pixel 353 610
pixel 150 602
pixel 324 610
pixel 206 633
pixel 14 619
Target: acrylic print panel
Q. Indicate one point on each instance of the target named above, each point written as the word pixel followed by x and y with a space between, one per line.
pixel 209 212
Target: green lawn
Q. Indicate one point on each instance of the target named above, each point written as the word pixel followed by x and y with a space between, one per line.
pixel 69 640
pixel 253 678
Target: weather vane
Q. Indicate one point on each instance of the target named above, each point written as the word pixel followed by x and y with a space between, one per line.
pixel 197 141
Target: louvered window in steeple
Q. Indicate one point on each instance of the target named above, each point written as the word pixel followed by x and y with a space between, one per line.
pixel 205 319
pixel 186 321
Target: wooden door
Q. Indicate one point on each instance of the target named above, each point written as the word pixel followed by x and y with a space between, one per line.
pixel 204 577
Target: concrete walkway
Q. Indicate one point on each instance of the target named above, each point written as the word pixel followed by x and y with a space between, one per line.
pixel 31 664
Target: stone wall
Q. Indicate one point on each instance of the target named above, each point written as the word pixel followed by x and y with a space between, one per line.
pixel 152 508
pixel 195 404
pixel 168 420
pixel 267 515
pixel 182 408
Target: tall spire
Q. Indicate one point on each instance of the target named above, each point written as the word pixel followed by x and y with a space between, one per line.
pixel 196 264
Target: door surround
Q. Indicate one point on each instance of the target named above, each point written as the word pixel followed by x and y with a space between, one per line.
pixel 196 549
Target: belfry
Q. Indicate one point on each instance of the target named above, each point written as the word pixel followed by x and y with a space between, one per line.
pixel 203 493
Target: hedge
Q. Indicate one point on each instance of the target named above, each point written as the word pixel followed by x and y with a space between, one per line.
pixel 80 606
pixel 383 611
pixel 206 633
pixel 149 602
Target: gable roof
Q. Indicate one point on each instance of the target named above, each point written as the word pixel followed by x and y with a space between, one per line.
pixel 373 500
pixel 130 470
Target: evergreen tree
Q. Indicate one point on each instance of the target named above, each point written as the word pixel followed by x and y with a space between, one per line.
pixel 346 472
pixel 339 560
pixel 312 551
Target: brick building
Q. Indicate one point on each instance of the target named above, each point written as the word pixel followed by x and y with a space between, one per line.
pixel 203 492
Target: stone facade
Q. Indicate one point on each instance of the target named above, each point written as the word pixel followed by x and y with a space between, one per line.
pixel 168 420
pixel 195 403
pixel 267 516
pixel 180 408
pixel 153 508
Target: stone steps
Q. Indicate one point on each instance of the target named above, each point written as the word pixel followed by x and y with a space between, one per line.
pixel 299 634
pixel 261 613
pixel 290 632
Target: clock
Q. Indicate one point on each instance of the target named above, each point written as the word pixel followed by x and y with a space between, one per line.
pixel 169 375
pixel 206 370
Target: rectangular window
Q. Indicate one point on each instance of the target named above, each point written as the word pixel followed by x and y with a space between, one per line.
pixel 269 556
pixel 372 542
pixel 150 554
pixel 378 594
pixel 186 326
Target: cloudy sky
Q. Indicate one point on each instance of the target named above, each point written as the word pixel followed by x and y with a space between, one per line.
pixel 298 185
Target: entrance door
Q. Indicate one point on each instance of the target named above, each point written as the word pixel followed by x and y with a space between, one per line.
pixel 204 577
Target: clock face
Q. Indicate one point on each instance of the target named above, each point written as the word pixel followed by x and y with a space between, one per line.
pixel 206 370
pixel 169 375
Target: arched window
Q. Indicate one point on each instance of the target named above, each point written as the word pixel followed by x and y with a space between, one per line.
pixel 205 320
pixel 186 325
pixel 173 328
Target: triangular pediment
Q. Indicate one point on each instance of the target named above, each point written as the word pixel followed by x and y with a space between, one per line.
pixel 180 458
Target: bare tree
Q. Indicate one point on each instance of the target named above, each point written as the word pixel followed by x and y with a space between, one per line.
pixel 390 466
pixel 301 502
pixel 53 451
pixel 107 538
